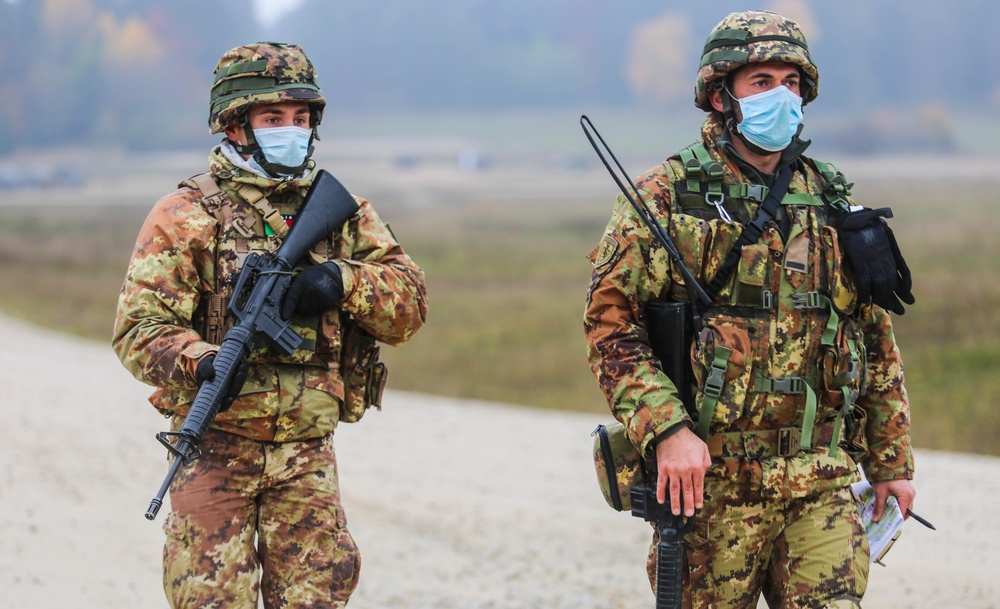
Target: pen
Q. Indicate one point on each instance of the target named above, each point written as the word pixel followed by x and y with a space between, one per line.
pixel 920 520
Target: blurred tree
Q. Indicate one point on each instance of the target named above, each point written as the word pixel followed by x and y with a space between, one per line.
pixel 657 70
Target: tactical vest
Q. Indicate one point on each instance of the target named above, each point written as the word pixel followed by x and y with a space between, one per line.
pixel 242 230
pixel 733 363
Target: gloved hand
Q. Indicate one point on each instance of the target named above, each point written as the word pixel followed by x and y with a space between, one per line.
pixel 871 250
pixel 314 289
pixel 206 372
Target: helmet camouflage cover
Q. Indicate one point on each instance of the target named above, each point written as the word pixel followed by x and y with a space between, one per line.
pixel 262 73
pixel 753 37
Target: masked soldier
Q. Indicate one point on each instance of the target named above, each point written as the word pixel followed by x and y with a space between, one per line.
pixel 259 512
pixel 796 376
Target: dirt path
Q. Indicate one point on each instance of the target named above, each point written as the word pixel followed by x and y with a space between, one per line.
pixel 454 504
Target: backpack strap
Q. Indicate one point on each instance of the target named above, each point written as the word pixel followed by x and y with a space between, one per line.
pixel 213 310
pixel 703 174
pixel 837 188
pixel 215 199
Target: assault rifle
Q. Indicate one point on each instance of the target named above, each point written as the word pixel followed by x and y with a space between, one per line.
pixel 670 549
pixel 256 304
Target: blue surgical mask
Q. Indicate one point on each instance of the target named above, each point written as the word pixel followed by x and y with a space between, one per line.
pixel 771 119
pixel 288 146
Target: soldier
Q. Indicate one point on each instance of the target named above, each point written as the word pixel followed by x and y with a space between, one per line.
pixel 796 371
pixel 259 513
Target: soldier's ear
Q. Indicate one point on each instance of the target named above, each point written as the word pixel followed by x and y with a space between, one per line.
pixel 234 132
pixel 715 98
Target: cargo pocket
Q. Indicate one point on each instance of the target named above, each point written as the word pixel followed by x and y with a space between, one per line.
pixel 257 398
pixel 842 381
pixel 696 235
pixel 840 284
pixel 723 374
pixel 724 236
pixel 843 367
pixel 752 276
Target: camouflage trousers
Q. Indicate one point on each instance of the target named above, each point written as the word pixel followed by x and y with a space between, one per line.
pixel 256 518
pixel 802 553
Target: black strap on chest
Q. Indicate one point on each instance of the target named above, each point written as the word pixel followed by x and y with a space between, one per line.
pixel 752 230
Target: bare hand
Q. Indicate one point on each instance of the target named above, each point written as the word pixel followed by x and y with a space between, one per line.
pixel 902 490
pixel 681 461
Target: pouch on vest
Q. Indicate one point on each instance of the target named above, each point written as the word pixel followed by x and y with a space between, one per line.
pixel 618 465
pixel 363 374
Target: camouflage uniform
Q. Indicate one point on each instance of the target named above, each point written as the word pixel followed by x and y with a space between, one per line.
pixel 268 469
pixel 801 364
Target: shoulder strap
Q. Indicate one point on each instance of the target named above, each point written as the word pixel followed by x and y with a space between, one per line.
pixel 216 200
pixel 837 188
pixel 752 231
pixel 218 203
pixel 256 198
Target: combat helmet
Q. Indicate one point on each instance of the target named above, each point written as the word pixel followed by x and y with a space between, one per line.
pixel 262 73
pixel 753 37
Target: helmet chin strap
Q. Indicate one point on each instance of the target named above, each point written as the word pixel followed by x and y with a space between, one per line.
pixel 729 117
pixel 252 148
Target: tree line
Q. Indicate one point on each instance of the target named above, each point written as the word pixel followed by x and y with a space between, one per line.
pixel 136 72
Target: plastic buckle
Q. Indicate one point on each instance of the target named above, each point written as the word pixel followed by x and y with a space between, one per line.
pixel 767 300
pixel 788 441
pixel 757 192
pixel 714 383
pixel 788 384
pixel 808 300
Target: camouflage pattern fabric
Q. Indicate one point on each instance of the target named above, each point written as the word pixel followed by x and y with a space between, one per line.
pixel 182 256
pixel 753 37
pixel 286 496
pixel 268 470
pixel 262 73
pixel 803 553
pixel 789 312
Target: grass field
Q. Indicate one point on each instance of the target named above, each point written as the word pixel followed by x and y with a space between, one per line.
pixel 504 252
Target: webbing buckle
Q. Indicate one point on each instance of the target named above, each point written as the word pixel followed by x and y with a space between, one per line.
pixel 788 384
pixel 788 441
pixel 807 300
pixel 757 192
pixel 715 382
pixel 767 299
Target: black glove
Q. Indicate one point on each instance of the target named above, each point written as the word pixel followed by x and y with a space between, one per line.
pixel 871 250
pixel 314 289
pixel 206 372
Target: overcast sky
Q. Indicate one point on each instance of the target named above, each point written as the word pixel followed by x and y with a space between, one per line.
pixel 269 10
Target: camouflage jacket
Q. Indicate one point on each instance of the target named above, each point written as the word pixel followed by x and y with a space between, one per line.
pixel 786 346
pixel 184 261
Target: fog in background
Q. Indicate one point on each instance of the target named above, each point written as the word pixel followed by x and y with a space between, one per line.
pixel 896 75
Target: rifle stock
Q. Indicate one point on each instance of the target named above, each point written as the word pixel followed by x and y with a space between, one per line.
pixel 256 305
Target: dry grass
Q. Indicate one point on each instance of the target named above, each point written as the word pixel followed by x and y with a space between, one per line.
pixel 507 277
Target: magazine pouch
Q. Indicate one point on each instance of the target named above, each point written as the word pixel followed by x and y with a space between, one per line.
pixel 364 375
